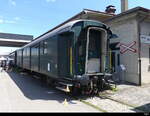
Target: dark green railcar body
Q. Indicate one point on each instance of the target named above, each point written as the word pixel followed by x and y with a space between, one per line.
pixel 56 55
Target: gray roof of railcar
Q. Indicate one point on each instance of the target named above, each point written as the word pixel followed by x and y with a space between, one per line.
pixel 64 28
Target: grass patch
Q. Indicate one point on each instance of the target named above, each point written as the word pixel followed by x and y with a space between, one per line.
pixel 114 89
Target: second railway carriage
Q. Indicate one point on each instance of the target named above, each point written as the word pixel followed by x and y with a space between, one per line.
pixel 74 56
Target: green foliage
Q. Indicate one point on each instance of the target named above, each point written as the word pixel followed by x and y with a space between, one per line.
pixel 113 88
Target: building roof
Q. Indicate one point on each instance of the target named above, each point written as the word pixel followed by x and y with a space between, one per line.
pixel 134 10
pixel 16 36
pixel 14 40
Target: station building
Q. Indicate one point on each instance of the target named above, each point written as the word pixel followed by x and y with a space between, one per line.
pixel 133 30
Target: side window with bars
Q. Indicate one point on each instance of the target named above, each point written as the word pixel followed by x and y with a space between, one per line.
pixel 44 47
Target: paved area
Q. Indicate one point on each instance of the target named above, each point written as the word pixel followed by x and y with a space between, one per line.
pixel 20 93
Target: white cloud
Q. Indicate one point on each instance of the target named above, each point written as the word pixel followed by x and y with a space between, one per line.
pixel 12 2
pixel 1 21
pixel 1 30
pixel 17 18
pixel 50 0
pixel 5 21
pixel 10 21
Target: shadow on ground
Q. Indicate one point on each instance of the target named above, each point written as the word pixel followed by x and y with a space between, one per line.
pixel 144 108
pixel 36 89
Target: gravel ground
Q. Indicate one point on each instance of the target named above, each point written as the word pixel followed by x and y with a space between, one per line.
pixel 127 98
pixel 110 106
pixel 139 97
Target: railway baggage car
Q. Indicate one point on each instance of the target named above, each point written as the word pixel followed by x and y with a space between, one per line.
pixel 74 57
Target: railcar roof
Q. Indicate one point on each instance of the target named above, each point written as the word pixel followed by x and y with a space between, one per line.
pixel 64 28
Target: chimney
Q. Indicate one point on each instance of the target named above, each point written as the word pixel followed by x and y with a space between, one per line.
pixel 110 9
pixel 124 5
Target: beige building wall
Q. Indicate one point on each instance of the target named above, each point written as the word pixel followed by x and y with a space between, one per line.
pixel 126 29
pixel 145 60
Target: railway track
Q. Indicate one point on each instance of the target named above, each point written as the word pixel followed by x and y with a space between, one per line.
pixel 127 104
pixel 107 104
pixel 94 106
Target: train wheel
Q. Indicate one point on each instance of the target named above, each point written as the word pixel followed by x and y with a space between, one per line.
pixel 43 79
pixel 75 91
pixel 50 82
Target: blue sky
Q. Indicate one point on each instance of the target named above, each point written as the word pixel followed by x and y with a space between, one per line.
pixel 34 17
